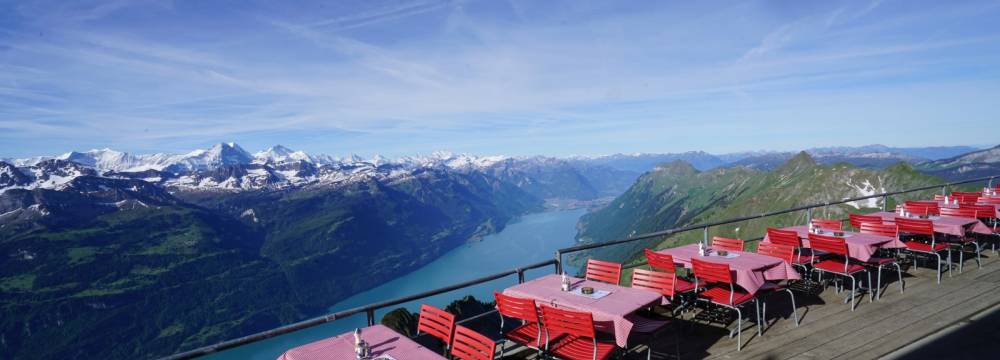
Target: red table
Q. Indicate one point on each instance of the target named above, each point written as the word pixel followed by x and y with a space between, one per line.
pixel 752 270
pixel 613 308
pixel 859 246
pixel 383 340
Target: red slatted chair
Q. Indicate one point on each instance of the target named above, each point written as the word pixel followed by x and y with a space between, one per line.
pixel 938 197
pixel 962 241
pixel 791 238
pixel 827 224
pixel 990 200
pixel 604 271
pixel 786 253
pixel 988 215
pixel 437 323
pixel 579 341
pixel 530 332
pixel 922 208
pixel 659 282
pixel 966 197
pixel 838 261
pixel 665 263
pixel 881 262
pixel 959 212
pixel 922 230
pixel 470 345
pixel 728 244
pixel 857 219
pixel 720 289
pixel 879 229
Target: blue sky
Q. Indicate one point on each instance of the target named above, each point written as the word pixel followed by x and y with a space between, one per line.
pixel 496 77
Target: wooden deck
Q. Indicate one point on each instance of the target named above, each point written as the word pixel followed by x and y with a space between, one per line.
pixel 830 330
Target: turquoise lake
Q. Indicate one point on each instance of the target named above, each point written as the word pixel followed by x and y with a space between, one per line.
pixel 530 239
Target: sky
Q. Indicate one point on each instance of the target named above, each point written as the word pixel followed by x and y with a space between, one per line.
pixel 496 77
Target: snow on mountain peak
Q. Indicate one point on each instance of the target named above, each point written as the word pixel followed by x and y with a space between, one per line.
pixel 279 154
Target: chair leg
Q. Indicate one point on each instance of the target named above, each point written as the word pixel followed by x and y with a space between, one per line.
pixel 871 294
pixel 762 315
pixel 939 268
pixel 961 258
pixel 854 287
pixel 949 262
pixel 979 251
pixel 879 286
pixel 899 273
pixel 739 329
pixel 795 312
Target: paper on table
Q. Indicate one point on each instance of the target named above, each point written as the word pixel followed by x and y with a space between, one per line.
pixel 596 295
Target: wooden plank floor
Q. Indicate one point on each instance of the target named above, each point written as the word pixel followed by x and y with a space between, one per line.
pixel 830 330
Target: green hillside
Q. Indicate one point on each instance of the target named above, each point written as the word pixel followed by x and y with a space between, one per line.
pixel 675 195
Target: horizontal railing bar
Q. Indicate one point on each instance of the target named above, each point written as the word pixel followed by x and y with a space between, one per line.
pixel 758 216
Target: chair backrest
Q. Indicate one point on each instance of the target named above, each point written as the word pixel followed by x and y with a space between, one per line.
pixel 729 244
pixel 915 226
pixel 784 237
pixel 989 200
pixel 604 271
pixel 516 308
pixel 966 194
pixel 570 322
pixel 925 208
pixel 857 219
pixel 983 211
pixel 712 272
pixel 658 281
pixel 470 345
pixel 662 262
pixel 436 322
pixel 828 224
pixel 830 244
pixel 879 229
pixel 959 212
pixel 783 252
pixel 938 197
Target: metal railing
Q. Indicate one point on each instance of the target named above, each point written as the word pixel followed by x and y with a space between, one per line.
pixel 370 309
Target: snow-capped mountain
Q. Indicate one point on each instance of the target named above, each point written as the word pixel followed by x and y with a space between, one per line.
pixel 279 154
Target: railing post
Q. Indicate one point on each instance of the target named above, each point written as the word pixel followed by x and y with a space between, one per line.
pixel 705 237
pixel 990 183
pixel 809 215
pixel 520 276
pixel 885 201
pixel 944 190
pixel 371 317
pixel 559 269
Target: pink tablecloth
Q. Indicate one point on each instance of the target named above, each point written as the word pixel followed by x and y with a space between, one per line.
pixel 382 340
pixel 859 246
pixel 612 308
pixel 951 225
pixel 751 269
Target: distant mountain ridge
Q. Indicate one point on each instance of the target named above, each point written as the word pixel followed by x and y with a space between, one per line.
pixel 676 194
pixel 972 165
